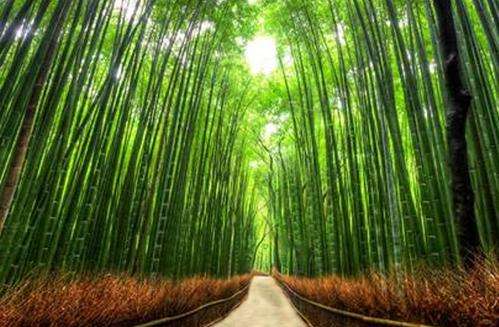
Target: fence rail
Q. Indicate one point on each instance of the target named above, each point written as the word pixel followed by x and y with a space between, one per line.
pixel 346 318
pixel 181 319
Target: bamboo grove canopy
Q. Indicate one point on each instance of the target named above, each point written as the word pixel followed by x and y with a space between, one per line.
pixel 133 136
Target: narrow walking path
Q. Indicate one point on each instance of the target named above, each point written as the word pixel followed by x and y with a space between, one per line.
pixel 266 306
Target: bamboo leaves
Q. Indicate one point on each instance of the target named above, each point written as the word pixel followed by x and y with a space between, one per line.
pixel 368 82
pixel 126 168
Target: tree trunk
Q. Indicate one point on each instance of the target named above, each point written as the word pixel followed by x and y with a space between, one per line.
pixel 458 107
pixel 21 147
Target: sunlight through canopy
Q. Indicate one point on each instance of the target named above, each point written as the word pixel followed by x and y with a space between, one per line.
pixel 261 55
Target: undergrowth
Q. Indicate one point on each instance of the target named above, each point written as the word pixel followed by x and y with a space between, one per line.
pixel 108 300
pixel 436 297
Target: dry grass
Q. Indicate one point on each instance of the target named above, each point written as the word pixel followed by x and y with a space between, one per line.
pixel 440 298
pixel 108 300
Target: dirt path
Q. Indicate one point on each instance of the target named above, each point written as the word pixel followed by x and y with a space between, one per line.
pixel 266 306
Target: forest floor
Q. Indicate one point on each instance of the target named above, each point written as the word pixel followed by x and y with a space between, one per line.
pixel 266 306
pixel 112 300
pixel 445 297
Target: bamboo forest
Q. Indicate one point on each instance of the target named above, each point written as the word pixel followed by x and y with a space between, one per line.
pixel 249 163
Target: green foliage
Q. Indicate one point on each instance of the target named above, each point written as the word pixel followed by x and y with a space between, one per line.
pixel 150 152
pixel 365 183
pixel 137 159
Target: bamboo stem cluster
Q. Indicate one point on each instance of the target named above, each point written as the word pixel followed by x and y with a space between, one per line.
pixel 135 159
pixel 364 182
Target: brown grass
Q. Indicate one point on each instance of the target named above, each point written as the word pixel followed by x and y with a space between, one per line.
pixel 108 300
pixel 440 298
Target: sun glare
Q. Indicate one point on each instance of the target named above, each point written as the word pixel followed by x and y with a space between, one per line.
pixel 270 130
pixel 261 55
pixel 126 7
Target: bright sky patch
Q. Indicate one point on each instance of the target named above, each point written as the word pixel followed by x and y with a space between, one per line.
pixel 126 7
pixel 261 55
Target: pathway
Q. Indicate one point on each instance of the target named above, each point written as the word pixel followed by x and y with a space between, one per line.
pixel 266 306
